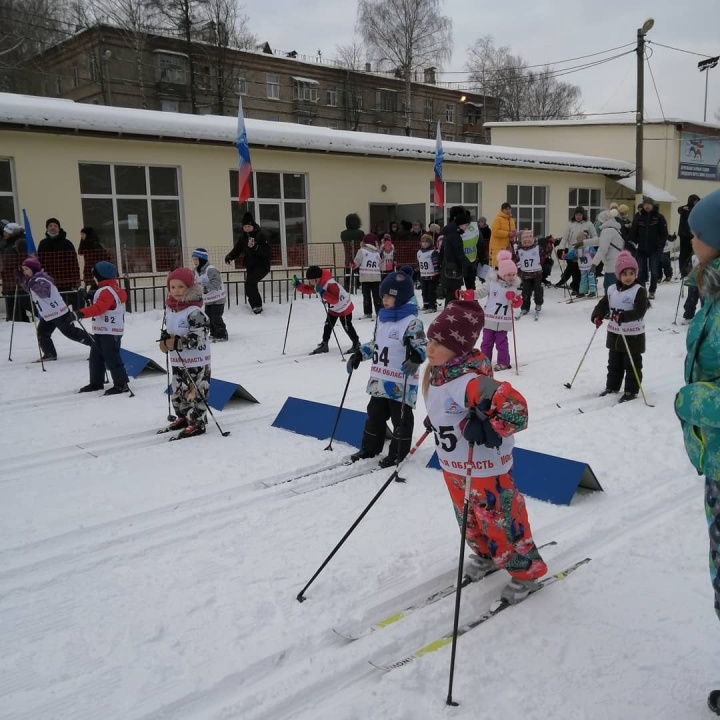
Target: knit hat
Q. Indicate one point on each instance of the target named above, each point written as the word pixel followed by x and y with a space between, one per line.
pixel 624 209
pixel 463 218
pixel 11 228
pixel 104 270
pixel 33 263
pixel 434 227
pixel 370 239
pixel 458 326
pixel 248 219
pixel 579 210
pixel 399 285
pixel 200 253
pixel 705 220
pixel 52 220
pixel 505 264
pixel 605 216
pixel 184 275
pixel 314 272
pixel 527 235
pixel 625 261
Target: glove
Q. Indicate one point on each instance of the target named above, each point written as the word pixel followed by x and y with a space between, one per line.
pixel 427 423
pixel 461 294
pixel 354 361
pixel 597 321
pixel 205 290
pixel 228 259
pixel 513 234
pixel 295 282
pixel 319 290
pixel 516 301
pixel 171 342
pixel 352 266
pixel 412 363
pixel 479 431
pixel 618 316
pixel 163 347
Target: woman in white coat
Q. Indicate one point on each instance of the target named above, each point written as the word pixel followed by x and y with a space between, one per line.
pixel 610 245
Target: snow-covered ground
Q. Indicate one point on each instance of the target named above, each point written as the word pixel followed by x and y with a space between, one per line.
pixel 141 579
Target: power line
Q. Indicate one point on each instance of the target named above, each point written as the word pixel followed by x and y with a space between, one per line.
pixel 652 75
pixel 670 47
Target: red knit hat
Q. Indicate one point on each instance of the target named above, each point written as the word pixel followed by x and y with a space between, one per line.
pixel 184 275
pixel 458 326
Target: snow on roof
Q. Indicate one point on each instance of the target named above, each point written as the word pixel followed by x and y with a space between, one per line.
pixel 649 190
pixel 599 121
pixel 31 111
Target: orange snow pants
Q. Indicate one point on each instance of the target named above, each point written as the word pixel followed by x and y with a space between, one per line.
pixel 498 525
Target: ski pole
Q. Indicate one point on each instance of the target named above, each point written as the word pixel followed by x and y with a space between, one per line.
pixel 170 416
pixel 37 337
pixel 397 437
pixel 202 397
pixel 327 320
pixel 677 307
pixel 632 363
pixel 12 327
pixel 582 360
pixel 342 402
pixel 301 595
pixel 512 320
pixel 287 327
pixel 461 561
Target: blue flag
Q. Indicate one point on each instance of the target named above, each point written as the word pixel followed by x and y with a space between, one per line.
pixel 31 249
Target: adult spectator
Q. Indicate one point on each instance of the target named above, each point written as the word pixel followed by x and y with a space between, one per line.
pixel 624 220
pixel 484 241
pixel 470 242
pixel 648 233
pixel 12 254
pixel 502 233
pixel 253 245
pixel 416 232
pixel 455 265
pixel 352 236
pixel 578 223
pixel 59 260
pixel 610 245
pixel 685 234
pixel 92 252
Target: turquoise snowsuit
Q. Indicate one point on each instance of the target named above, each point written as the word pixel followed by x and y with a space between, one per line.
pixel 697 405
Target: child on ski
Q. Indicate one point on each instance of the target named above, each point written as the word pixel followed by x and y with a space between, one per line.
pixel 51 308
pixel 213 294
pixel 584 255
pixel 185 339
pixel 337 301
pixel 108 325
pixel 466 405
pixel 367 260
pixel 387 256
pixel 530 258
pixel 626 302
pixel 429 267
pixel 696 404
pixel 397 352
pixel 502 298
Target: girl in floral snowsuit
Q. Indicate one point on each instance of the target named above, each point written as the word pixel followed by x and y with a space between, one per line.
pixel 465 404
pixel 698 403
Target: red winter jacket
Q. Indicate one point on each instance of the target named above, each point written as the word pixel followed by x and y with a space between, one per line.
pixel 330 293
pixel 105 300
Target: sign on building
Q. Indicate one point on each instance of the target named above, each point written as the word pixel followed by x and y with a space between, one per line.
pixel 699 157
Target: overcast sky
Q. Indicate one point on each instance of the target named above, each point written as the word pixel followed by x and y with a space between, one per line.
pixel 543 31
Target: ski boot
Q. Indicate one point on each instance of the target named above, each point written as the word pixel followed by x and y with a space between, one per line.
pixel 90 388
pixel 608 391
pixel 116 390
pixel 498 367
pixel 387 462
pixel 321 348
pixel 517 590
pixel 177 424
pixel 189 431
pixel 355 348
pixel 713 701
pixel 538 310
pixel 477 567
pixel 524 312
pixel 359 455
pixel 627 397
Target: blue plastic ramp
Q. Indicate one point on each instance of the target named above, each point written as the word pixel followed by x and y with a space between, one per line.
pixel 136 364
pixel 547 477
pixel 222 392
pixel 315 419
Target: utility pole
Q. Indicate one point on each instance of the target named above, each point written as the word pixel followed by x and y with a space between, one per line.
pixel 705 66
pixel 639 119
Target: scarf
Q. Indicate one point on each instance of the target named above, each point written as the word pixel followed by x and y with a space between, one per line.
pixel 394 314
pixel 192 298
pixel 473 362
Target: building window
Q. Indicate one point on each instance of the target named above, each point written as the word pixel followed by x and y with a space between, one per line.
pixel 428 111
pixel 278 202
pixel 58 85
pixel 304 121
pixel 273 86
pixel 75 76
pixel 333 126
pixel 386 100
pixel 331 97
pixel 135 210
pixel 204 77
pixel 384 131
pixel 242 84
pixel 171 68
pixel 306 90
pixel 467 194
pixel 92 67
pixel 473 114
pixel 170 106
pixel 450 113
pixel 448 137
pixel 7 191
pixel 589 198
pixel 529 203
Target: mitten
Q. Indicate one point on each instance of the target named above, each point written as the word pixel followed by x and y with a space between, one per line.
pixel 412 363
pixel 479 431
pixel 295 282
pixel 427 423
pixel 597 321
pixel 354 361
pixel 228 259
pixel 618 316
pixel 461 294
pixel 163 347
pixel 516 301
pixel 319 290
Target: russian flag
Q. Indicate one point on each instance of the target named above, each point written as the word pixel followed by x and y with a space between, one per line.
pixel 244 165
pixel 31 249
pixel 439 194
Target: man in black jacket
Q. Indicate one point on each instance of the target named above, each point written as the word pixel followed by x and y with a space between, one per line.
pixel 685 234
pixel 649 232
pixel 59 260
pixel 455 264
pixel 253 245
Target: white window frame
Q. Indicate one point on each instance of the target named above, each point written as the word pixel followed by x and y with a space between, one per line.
pixel 149 197
pixel 450 113
pixel 242 83
pixel 272 85
pixel 386 100
pixel 516 206
pixel 92 66
pixel 331 97
pixel 305 91
pixel 59 85
pixel 75 76
pixel 172 67
pixel 13 189
pixel 429 110
pixel 474 208
pixel 592 209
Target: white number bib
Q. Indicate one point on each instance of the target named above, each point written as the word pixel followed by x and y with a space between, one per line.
pixel 50 308
pixel 176 323
pixel 498 307
pixel 624 300
pixel 212 295
pixel 369 263
pixel 111 322
pixel 390 352
pixel 529 259
pixel 344 299
pixel 425 263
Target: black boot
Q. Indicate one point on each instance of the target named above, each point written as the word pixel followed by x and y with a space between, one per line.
pixel 360 455
pixel 627 397
pixel 607 391
pixel 713 701
pixel 321 348
pixel 117 390
pixel 90 388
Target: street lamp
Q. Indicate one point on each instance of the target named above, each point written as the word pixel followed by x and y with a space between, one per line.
pixel 646 27
pixel 705 66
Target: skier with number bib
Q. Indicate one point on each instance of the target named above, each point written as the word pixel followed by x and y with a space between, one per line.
pixel 367 260
pixel 502 298
pixel 108 325
pixel 530 258
pixel 465 404
pixel 429 267
pixel 186 341
pixel 397 352
pixel 54 313
pixel 213 293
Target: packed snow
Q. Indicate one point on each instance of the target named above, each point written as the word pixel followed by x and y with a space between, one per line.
pixel 141 579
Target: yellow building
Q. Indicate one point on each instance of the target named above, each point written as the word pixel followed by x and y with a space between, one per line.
pixel 155 185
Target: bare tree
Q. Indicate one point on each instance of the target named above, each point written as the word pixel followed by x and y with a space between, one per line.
pixel 408 35
pixel 352 57
pixel 520 93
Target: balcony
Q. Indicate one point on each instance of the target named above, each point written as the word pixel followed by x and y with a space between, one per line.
pixel 387 118
pixel 175 90
pixel 472 129
pixel 305 107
